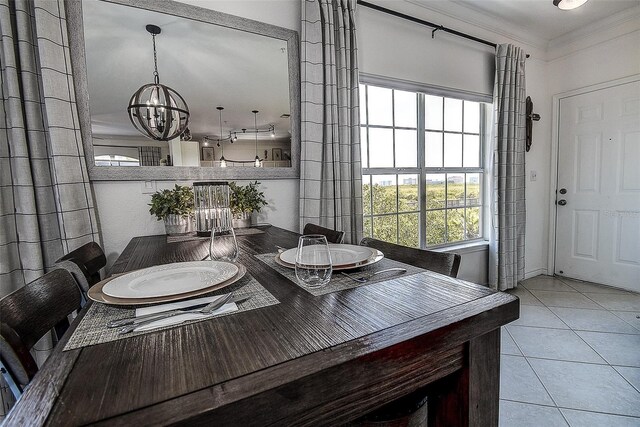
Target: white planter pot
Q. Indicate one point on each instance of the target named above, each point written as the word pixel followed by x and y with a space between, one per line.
pixel 175 224
pixel 242 221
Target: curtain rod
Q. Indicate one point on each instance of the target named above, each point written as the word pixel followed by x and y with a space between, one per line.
pixel 435 27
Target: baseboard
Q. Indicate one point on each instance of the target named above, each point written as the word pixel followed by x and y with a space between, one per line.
pixel 533 273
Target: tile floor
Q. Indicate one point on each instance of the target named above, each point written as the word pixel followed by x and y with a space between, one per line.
pixel 573 356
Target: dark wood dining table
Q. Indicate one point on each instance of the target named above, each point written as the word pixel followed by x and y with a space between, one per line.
pixel 309 360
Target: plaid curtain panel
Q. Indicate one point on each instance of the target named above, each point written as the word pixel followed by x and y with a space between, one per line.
pixel 46 204
pixel 508 210
pixel 330 170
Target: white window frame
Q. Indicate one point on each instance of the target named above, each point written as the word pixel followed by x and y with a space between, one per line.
pixel 421 170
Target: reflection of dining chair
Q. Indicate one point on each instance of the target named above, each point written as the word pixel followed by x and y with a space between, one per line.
pixel 27 315
pixel 440 262
pixel 89 259
pixel 333 236
pixel 411 409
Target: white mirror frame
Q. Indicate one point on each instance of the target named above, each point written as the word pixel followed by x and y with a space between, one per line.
pixel 176 173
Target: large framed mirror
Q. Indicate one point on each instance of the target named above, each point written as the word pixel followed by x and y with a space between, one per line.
pixel 212 60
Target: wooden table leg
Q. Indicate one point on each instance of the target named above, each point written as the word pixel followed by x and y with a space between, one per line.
pixel 470 397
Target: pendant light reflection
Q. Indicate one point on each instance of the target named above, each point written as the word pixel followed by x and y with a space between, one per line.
pixel 223 162
pixel 156 110
pixel 257 162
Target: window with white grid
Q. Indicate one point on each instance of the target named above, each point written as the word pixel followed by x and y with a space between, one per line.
pixel 422 166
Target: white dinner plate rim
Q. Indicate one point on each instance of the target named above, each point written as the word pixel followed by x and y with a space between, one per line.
pixel 371 253
pixel 95 292
pixel 119 290
pixel 377 256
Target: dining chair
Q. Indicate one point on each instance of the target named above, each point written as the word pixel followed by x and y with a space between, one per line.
pixel 333 236
pixel 412 409
pixel 27 315
pixel 440 262
pixel 90 259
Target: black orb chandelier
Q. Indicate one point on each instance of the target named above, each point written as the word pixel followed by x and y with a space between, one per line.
pixel 156 110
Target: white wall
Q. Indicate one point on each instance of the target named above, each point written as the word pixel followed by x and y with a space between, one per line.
pixel 602 62
pixel 538 162
pixel 393 47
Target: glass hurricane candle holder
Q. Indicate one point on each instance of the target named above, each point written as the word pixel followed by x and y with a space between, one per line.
pixel 212 209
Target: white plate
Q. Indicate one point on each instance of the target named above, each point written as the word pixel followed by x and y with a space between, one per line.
pixel 170 279
pixel 95 292
pixel 340 254
pixel 377 257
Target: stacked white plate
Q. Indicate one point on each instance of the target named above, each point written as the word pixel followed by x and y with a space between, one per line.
pixel 343 257
pixel 167 282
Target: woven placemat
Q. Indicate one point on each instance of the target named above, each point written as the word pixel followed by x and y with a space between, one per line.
pixel 192 236
pixel 338 281
pixel 92 329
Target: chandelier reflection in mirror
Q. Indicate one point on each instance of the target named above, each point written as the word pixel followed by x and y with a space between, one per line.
pixel 156 110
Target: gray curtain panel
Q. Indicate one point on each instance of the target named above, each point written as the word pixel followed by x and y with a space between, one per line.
pixel 149 156
pixel 330 170
pixel 508 213
pixel 46 205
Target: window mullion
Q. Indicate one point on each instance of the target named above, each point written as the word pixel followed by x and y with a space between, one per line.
pixel 395 162
pixel 422 177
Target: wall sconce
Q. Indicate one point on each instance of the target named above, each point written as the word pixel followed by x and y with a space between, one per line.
pixel 531 117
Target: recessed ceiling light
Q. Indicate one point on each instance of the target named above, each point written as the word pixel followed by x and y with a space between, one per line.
pixel 568 4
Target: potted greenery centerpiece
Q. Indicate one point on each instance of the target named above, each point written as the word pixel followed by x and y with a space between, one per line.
pixel 245 200
pixel 174 207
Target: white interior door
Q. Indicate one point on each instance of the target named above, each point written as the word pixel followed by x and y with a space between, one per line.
pixel 598 194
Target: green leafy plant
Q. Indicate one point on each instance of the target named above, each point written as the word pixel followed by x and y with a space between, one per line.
pixel 178 201
pixel 246 199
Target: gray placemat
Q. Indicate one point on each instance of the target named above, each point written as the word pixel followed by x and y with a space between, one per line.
pixel 339 282
pixel 92 329
pixel 192 236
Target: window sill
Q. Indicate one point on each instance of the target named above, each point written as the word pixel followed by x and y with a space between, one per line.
pixel 464 247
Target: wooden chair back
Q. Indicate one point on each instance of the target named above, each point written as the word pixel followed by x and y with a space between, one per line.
pixel 333 236
pixel 90 259
pixel 41 305
pixel 28 314
pixel 440 262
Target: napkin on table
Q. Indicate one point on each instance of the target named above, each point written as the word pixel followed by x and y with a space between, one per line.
pixel 229 307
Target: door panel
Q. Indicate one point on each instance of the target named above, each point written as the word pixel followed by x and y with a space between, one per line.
pixel 585 236
pixel 630 170
pixel 626 244
pixel 587 163
pixel 598 220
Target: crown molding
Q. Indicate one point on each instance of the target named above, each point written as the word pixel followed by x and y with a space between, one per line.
pixel 619 24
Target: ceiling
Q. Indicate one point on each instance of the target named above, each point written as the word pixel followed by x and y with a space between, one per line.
pixel 539 18
pixel 207 64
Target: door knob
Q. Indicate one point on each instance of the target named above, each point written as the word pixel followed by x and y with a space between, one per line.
pixel 562 202
pixel 563 191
